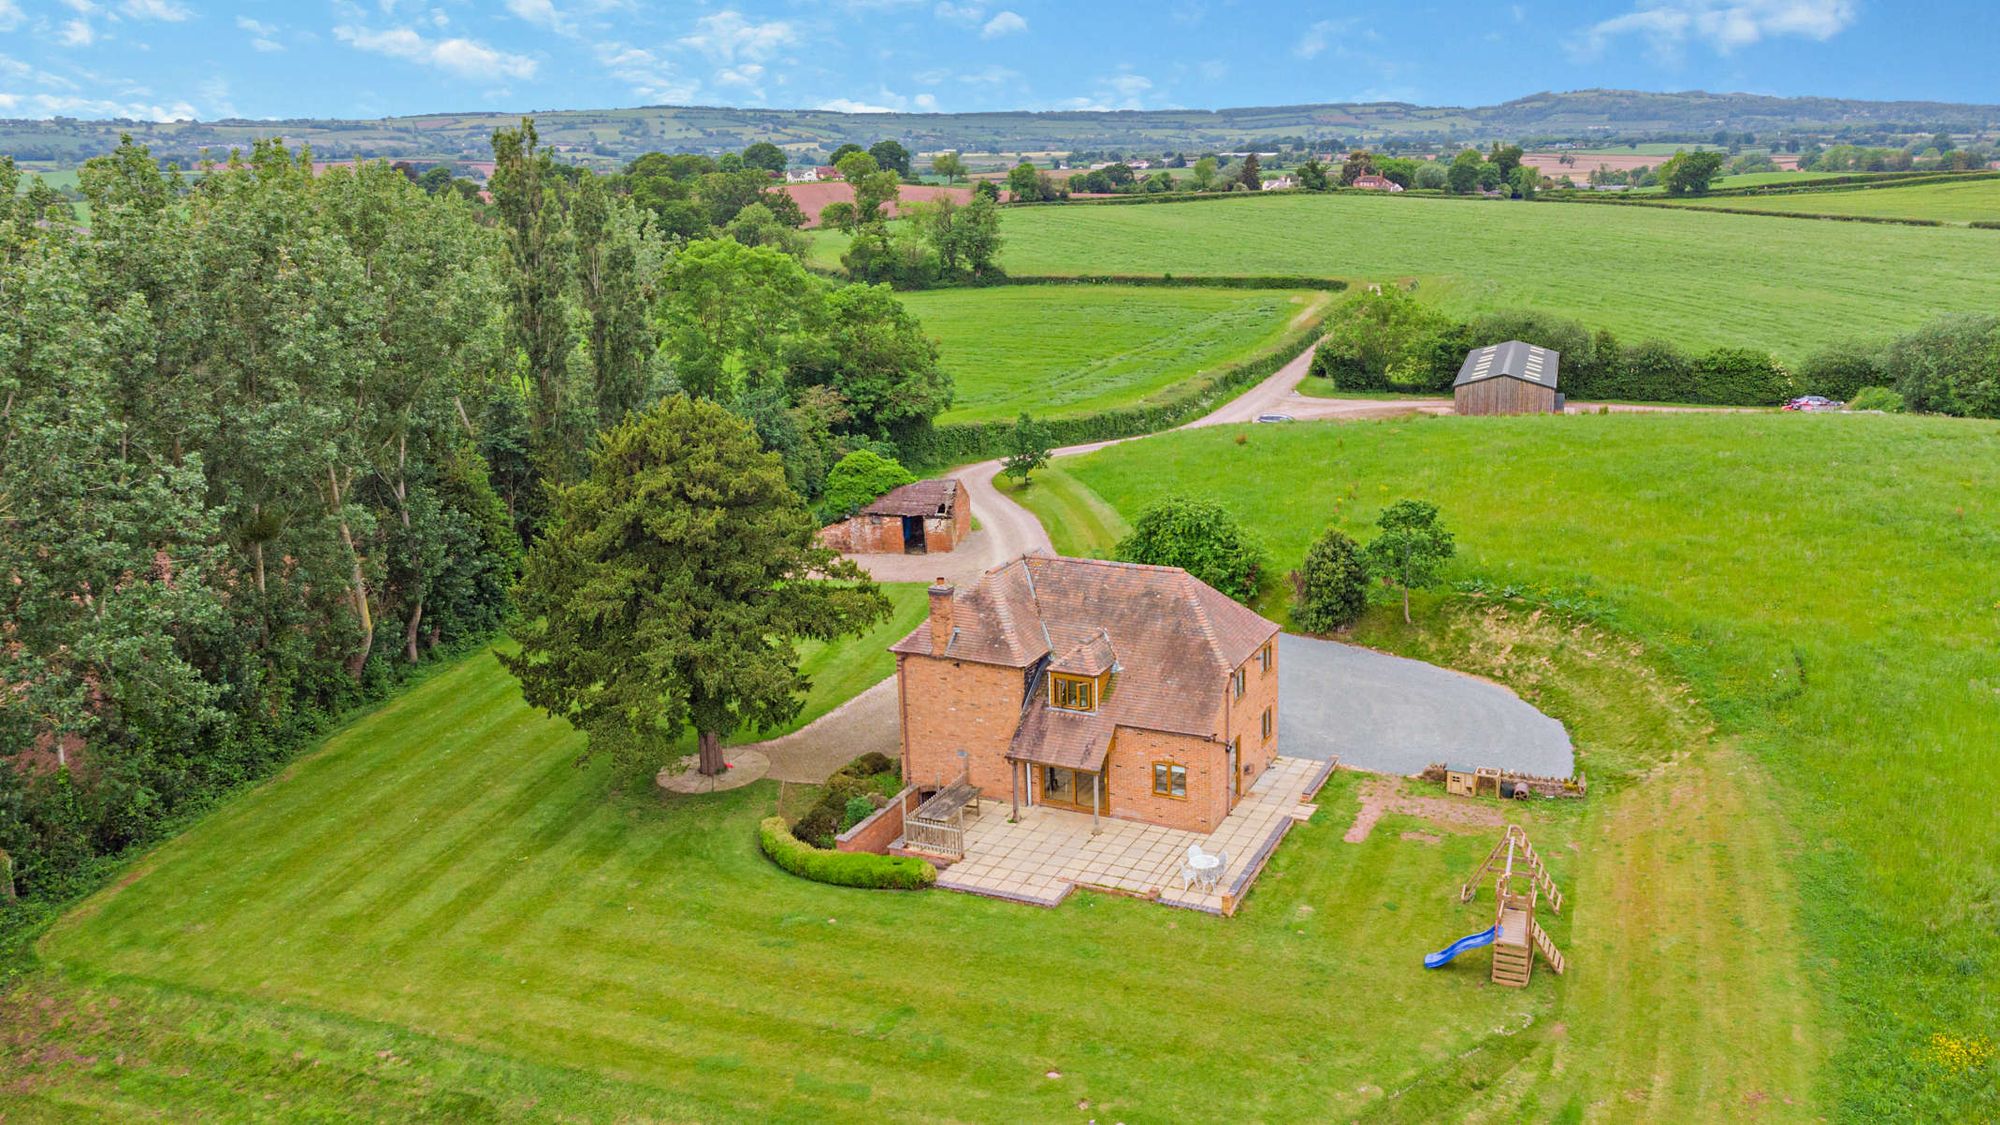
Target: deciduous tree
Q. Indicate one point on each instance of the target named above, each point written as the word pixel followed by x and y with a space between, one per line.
pixel 1411 549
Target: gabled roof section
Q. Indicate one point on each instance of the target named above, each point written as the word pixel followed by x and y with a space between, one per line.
pixel 1093 657
pixel 1172 638
pixel 1511 360
pixel 918 498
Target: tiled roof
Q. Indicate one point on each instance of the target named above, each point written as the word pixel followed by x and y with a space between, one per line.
pixel 1093 657
pixel 918 498
pixel 1175 639
pixel 1076 740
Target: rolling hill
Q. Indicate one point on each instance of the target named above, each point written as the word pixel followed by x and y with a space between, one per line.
pixel 610 136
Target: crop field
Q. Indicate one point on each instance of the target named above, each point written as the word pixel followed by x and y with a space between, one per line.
pixel 1836 627
pixel 1961 202
pixel 1697 278
pixel 1059 350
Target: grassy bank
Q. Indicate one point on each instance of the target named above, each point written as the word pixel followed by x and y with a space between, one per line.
pixel 1960 202
pixel 439 914
pixel 1063 351
pixel 1828 586
pixel 1696 278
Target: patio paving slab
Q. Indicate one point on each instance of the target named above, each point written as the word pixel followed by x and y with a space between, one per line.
pixel 1048 852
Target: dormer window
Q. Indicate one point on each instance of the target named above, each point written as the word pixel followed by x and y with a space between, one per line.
pixel 1072 693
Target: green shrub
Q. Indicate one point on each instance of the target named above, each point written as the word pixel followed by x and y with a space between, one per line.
pixel 859 808
pixel 1383 339
pixel 1949 366
pixel 1841 372
pixel 1876 398
pixel 1651 371
pixel 841 869
pixel 857 479
pixel 1741 377
pixel 1332 584
pixel 1202 538
pixel 868 765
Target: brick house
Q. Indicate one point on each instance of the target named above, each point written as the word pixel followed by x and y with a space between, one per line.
pixel 919 517
pixel 1111 688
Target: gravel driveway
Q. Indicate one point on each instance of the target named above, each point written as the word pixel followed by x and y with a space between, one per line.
pixel 1391 715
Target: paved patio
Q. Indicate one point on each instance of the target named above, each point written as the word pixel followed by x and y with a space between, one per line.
pixel 1050 852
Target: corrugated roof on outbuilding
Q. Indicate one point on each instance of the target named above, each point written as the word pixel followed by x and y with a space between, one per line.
pixel 1513 360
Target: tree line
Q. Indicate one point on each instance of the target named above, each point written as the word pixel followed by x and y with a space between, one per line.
pixel 270 439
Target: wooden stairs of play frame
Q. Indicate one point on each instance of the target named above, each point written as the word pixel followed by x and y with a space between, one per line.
pixel 1520 937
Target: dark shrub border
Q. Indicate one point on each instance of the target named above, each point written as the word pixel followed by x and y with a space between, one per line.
pixel 841 869
pixel 1160 281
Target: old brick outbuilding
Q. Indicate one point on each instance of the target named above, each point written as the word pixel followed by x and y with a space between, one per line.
pixel 1123 690
pixel 919 517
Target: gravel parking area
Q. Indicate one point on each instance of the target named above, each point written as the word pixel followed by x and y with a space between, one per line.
pixel 1391 715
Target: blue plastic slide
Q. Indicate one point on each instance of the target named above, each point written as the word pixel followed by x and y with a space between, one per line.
pixel 1443 956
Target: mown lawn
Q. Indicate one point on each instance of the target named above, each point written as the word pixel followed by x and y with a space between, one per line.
pixel 440 909
pixel 1059 350
pixel 1694 277
pixel 1830 588
pixel 1961 202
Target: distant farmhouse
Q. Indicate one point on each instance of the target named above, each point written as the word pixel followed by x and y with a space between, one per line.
pixel 1509 378
pixel 1372 182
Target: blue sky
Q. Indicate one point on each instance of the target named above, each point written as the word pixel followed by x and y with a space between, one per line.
pixel 348 58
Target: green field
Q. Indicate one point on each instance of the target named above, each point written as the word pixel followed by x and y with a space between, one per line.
pixel 1060 350
pixel 439 915
pixel 1753 179
pixel 1697 278
pixel 1963 201
pixel 1829 586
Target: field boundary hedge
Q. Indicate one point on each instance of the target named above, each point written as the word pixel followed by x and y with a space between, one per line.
pixel 1889 220
pixel 841 869
pixel 1856 182
pixel 1137 280
pixel 960 443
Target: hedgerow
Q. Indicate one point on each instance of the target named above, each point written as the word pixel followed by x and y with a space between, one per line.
pixel 841 869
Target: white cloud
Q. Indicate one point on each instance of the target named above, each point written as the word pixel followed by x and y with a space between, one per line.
pixel 76 33
pixel 747 75
pixel 1123 90
pixel 1725 25
pixel 10 15
pixel 925 102
pixel 727 37
pixel 1004 23
pixel 462 57
pixel 263 36
pixel 542 13
pixel 849 105
pixel 967 14
pixel 1319 37
pixel 651 78
pixel 53 105
pixel 168 11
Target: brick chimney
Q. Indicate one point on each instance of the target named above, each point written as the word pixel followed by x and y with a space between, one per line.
pixel 941 593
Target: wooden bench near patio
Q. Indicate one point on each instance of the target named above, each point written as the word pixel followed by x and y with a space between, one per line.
pixel 938 825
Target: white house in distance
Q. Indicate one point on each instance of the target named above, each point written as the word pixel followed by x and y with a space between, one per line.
pixel 1280 183
pixel 1372 182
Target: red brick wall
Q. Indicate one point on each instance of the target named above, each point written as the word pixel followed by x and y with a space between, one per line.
pixel 1245 716
pixel 876 833
pixel 866 535
pixel 1131 760
pixel 953 705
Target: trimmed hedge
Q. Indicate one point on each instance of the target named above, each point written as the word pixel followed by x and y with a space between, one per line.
pixel 942 446
pixel 1165 280
pixel 841 869
pixel 1595 365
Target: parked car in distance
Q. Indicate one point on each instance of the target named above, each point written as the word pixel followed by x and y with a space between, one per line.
pixel 1813 403
pixel 1274 418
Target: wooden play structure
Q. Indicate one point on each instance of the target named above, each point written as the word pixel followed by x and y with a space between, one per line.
pixel 1488 781
pixel 1516 936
